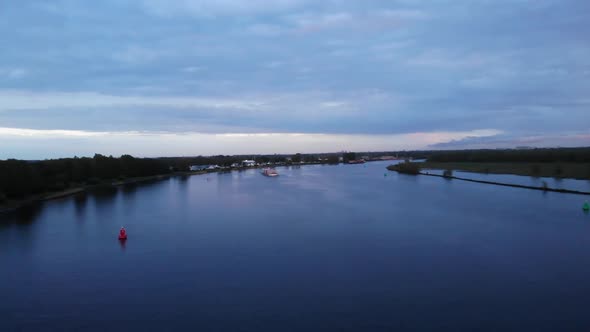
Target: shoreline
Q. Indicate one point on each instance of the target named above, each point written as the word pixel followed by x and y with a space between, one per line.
pixel 546 189
pixel 503 184
pixel 573 171
pixel 13 205
pixel 17 204
pixel 562 170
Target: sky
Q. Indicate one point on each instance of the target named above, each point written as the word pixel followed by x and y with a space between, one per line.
pixel 204 77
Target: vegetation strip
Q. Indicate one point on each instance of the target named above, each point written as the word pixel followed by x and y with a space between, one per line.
pixel 559 170
pixel 564 191
pixel 16 204
pixel 11 205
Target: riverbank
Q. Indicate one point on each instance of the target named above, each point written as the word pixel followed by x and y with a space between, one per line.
pixel 416 169
pixel 578 171
pixel 11 205
pixel 546 189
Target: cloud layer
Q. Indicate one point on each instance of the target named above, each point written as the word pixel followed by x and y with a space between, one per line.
pixel 382 68
pixel 83 143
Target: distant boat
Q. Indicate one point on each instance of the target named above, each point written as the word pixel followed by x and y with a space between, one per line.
pixel 269 172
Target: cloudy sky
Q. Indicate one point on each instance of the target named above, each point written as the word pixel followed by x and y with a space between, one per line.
pixel 190 77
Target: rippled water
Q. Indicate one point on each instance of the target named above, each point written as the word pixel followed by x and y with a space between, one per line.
pixel 346 248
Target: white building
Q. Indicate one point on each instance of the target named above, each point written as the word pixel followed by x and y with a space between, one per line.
pixel 248 163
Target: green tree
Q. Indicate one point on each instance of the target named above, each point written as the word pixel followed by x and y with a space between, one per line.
pixel 558 171
pixel 535 170
pixel 296 158
pixel 310 158
pixel 406 168
pixel 348 156
pixel 333 159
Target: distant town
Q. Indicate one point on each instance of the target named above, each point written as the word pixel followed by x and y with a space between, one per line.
pixel 297 159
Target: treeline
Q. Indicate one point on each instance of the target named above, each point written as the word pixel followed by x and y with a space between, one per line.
pixel 570 155
pixel 20 178
pixel 532 155
pixel 405 168
pixel 183 163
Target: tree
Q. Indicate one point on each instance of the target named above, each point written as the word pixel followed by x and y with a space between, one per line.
pixel 19 179
pixel 262 159
pixel 278 159
pixel 348 156
pixel 406 168
pixel 310 158
pixel 107 167
pixel 535 170
pixel 296 158
pixel 558 171
pixel 333 159
pixel 128 166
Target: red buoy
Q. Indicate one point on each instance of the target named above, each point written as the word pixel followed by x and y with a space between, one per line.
pixel 122 234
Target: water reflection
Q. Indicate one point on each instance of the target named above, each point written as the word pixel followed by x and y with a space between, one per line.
pixel 129 189
pixel 21 221
pixel 24 216
pixel 128 195
pixel 80 202
pixel 103 199
pixel 183 182
pixel 103 195
pixel 225 182
pixel 123 243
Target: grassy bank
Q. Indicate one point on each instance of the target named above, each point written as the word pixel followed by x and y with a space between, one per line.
pixel 545 189
pixel 557 170
pixel 418 169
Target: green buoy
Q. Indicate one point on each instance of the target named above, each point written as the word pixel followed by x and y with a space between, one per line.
pixel 586 207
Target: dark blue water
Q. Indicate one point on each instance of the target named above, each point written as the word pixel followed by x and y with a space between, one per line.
pixel 320 248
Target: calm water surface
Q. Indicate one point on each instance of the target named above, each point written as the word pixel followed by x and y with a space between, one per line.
pixel 340 248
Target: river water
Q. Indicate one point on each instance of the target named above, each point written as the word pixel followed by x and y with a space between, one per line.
pixel 344 248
